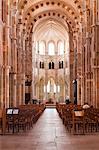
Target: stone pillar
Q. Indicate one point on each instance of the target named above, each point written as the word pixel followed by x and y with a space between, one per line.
pixel 19 65
pixel 77 61
pixel 57 94
pixel 6 50
pixel 6 86
pixel 1 57
pixel 88 70
pixel 83 75
pixel 33 66
pixel 19 98
pixel 46 81
pixel 95 52
pixel 23 89
pixel 37 93
pixel 79 91
pixel 96 66
pixel 56 82
pixel 28 61
pixel 88 54
pixel 79 49
pixel 23 66
pixel 13 54
pixel 14 90
pixel 1 86
pixel 71 67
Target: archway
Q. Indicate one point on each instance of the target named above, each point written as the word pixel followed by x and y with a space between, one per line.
pixel 55 60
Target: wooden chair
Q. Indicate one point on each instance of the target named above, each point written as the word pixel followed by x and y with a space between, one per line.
pixel 78 122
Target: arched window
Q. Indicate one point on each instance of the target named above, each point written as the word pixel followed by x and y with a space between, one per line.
pixel 60 64
pixel 51 48
pixel 48 87
pixel 54 88
pixel 51 86
pixel 42 65
pixel 60 48
pixel 58 88
pixel 51 65
pixel 42 48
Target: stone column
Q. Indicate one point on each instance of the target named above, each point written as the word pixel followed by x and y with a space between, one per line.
pixel 13 53
pixel 86 55
pixel 23 66
pixel 1 57
pixel 19 93
pixel 14 90
pixel 88 71
pixel 6 50
pixel 71 65
pixel 33 66
pixel 83 76
pixel 19 64
pixel 21 53
pixel 77 62
pixel 96 66
pixel 6 86
pixel 1 86
pixel 95 52
pixel 79 49
pixel 30 62
pixel 46 81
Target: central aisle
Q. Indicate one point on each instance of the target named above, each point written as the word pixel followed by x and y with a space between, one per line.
pixel 49 134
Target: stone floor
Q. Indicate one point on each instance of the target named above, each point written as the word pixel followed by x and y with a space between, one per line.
pixel 49 134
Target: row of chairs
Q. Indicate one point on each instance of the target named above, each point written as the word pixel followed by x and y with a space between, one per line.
pixel 77 120
pixel 22 118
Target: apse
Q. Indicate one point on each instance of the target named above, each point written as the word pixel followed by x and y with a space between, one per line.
pixel 50 51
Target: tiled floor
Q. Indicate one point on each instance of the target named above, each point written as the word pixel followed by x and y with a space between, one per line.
pixel 49 134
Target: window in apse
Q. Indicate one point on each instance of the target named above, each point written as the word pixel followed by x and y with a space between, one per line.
pixel 51 48
pixel 42 48
pixel 48 87
pixel 51 86
pixel 60 48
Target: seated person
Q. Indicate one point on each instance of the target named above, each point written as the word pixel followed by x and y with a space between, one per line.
pixel 67 100
pixel 86 106
pixel 39 101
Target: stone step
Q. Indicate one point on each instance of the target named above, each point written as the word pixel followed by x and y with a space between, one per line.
pixel 50 105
